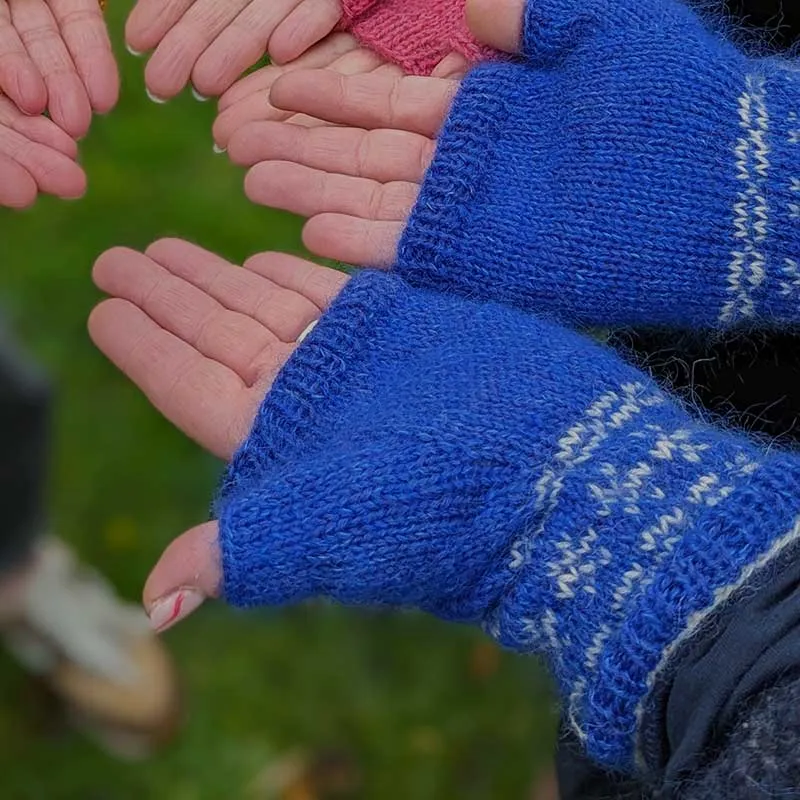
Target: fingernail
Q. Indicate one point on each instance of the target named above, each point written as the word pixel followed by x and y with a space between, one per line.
pixel 132 51
pixel 170 610
pixel 218 150
pixel 201 98
pixel 154 98
pixel 305 333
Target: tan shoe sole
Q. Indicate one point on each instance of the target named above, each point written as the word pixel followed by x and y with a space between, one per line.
pixel 128 719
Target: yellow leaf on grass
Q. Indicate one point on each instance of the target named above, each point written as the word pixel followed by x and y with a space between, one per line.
pixel 121 534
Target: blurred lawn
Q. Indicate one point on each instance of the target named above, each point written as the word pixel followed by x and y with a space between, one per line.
pixel 425 710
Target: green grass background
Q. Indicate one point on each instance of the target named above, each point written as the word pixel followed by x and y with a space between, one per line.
pixel 400 693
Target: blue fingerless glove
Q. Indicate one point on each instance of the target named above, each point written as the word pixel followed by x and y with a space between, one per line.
pixel 470 460
pixel 637 169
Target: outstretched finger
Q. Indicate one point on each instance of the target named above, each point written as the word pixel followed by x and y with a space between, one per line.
pixel 352 240
pixel 308 192
pixel 381 155
pixel 149 21
pixel 84 31
pixel 306 25
pixel 67 99
pixel 235 340
pixel 408 103
pixel 53 172
pixel 316 283
pixel 19 78
pixel 283 311
pixel 174 59
pixel 37 128
pixel 317 57
pixel 256 106
pixel 237 45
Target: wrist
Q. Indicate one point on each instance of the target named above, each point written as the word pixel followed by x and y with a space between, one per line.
pixel 646 532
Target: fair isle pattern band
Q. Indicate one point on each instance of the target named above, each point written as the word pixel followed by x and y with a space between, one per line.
pixel 790 285
pixel 657 542
pixel 610 412
pixel 622 498
pixel 748 265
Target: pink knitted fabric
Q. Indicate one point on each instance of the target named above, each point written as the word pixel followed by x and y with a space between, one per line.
pixel 416 34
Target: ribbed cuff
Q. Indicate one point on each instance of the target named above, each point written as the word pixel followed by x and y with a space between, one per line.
pixel 304 397
pixel 436 243
pixel 732 549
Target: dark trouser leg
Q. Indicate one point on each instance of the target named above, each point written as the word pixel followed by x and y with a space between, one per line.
pixel 581 779
pixel 24 440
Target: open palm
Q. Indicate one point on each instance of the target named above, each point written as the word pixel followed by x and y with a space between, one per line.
pixel 248 100
pixel 356 172
pixel 356 179
pixel 201 337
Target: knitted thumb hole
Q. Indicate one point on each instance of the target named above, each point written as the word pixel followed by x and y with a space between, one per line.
pixel 378 524
pixel 552 29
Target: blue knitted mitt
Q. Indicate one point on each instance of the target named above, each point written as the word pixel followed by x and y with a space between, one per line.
pixel 638 169
pixel 422 451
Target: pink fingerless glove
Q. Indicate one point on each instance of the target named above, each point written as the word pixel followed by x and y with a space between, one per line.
pixel 415 34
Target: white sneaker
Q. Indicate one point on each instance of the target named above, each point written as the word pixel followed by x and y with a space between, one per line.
pixel 96 653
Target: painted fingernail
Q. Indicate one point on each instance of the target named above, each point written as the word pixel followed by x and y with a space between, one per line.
pixel 305 333
pixel 218 150
pixel 155 98
pixel 201 98
pixel 132 51
pixel 173 608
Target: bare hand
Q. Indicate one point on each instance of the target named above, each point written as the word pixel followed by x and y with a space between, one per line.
pixel 202 338
pixel 56 55
pixel 357 182
pixel 212 42
pixel 36 156
pixel 248 100
pixel 356 178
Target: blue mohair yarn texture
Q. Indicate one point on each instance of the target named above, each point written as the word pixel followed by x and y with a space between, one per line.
pixel 468 459
pixel 636 168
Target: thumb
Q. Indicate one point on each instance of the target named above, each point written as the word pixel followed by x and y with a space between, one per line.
pixel 188 572
pixel 497 23
pixel 541 30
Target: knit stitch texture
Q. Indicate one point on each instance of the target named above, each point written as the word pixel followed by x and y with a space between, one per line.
pixel 637 170
pixel 416 34
pixel 470 460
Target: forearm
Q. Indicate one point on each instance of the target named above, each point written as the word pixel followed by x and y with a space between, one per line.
pixel 490 468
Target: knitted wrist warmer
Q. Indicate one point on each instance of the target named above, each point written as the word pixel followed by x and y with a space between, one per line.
pixel 466 459
pixel 416 34
pixel 639 170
